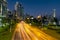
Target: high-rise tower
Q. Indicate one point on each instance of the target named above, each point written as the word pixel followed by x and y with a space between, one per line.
pixel 3 7
pixel 3 10
pixel 19 10
pixel 54 13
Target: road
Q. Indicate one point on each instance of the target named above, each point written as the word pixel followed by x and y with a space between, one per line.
pixel 24 31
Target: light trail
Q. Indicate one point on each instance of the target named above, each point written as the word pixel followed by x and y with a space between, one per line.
pixel 24 31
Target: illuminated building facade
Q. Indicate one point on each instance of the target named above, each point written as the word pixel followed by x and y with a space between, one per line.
pixel 3 9
pixel 19 10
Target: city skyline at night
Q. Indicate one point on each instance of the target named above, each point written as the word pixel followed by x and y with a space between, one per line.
pixel 29 19
pixel 37 7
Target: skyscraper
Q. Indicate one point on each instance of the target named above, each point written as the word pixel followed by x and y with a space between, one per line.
pixel 19 10
pixel 3 9
pixel 54 14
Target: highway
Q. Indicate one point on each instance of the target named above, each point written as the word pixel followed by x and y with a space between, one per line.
pixel 24 31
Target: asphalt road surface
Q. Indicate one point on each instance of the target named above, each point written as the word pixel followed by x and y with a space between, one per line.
pixel 24 31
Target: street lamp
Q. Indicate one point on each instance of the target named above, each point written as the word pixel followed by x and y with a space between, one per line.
pixel 27 18
pixel 32 18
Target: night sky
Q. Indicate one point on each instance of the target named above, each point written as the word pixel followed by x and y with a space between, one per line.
pixel 37 7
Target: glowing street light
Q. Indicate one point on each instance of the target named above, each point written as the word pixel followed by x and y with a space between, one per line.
pixel 38 16
pixel 27 18
pixel 32 18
